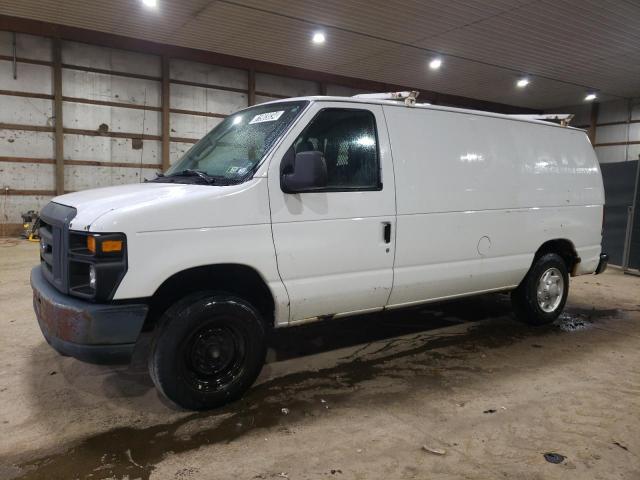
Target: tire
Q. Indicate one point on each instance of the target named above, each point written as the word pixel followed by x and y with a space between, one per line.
pixel 207 351
pixel 541 309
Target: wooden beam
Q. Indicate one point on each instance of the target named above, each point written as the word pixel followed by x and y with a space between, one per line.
pixel 166 114
pixel 79 131
pixel 251 98
pixel 593 122
pixel 37 193
pixel 272 95
pixel 27 128
pixel 9 58
pixel 208 85
pixel 57 115
pixel 608 124
pixel 46 161
pixel 106 103
pixel 184 140
pixel 98 133
pixel 92 163
pixel 198 113
pixel 617 144
pixel 87 163
pixel 103 71
pixel 13 93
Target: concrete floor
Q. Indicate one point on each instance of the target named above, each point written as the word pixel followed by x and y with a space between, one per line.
pixel 364 395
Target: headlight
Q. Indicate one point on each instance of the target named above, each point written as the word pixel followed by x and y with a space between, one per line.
pixel 92 277
pixel 97 264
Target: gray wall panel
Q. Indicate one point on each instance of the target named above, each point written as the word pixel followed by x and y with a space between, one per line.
pixel 208 74
pixel 112 59
pixel 31 78
pixel 619 184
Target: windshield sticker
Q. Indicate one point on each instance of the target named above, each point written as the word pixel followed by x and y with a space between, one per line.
pixel 267 117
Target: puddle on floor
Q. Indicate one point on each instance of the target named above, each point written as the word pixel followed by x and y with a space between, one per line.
pixel 574 319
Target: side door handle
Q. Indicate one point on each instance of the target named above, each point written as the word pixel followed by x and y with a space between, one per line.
pixel 386 231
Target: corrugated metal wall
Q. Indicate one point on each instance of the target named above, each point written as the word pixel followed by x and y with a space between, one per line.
pixel 112 114
pixel 618 131
pixel 617 145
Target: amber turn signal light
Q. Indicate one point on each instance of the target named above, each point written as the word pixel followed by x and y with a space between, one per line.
pixel 91 244
pixel 104 246
pixel 111 246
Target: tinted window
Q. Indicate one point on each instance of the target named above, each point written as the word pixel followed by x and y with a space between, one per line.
pixel 348 141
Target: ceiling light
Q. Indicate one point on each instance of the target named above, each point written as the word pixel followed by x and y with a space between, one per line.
pixel 523 82
pixel 435 64
pixel 150 3
pixel 318 38
pixel 590 97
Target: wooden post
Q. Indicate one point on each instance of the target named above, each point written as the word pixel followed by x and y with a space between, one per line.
pixel 593 123
pixel 57 114
pixel 166 131
pixel 251 100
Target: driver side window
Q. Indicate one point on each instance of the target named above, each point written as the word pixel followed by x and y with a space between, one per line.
pixel 347 139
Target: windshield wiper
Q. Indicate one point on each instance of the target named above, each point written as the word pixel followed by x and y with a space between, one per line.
pixel 159 175
pixel 190 172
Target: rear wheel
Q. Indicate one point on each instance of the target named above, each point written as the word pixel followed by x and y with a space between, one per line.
pixel 541 296
pixel 208 350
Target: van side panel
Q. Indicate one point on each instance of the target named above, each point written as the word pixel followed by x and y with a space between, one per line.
pixel 207 228
pixel 478 195
pixel 331 249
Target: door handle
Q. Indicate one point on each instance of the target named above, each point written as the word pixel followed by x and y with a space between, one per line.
pixel 386 231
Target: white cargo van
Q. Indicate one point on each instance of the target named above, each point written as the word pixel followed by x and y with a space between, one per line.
pixel 312 208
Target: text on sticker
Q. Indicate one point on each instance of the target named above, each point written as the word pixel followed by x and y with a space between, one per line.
pixel 267 117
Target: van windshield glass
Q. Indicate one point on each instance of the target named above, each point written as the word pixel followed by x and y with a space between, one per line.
pixel 230 152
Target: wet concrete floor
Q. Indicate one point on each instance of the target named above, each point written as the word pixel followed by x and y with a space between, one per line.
pixel 361 398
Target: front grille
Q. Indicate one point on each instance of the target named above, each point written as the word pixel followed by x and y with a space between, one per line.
pixel 54 243
pixel 46 248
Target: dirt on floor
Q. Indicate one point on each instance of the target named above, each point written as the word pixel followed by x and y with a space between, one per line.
pixel 455 390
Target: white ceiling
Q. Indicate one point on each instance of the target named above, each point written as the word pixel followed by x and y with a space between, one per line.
pixel 566 46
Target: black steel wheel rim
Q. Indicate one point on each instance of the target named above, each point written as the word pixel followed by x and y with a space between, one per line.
pixel 213 356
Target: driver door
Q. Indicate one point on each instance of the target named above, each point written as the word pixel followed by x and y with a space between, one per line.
pixel 335 247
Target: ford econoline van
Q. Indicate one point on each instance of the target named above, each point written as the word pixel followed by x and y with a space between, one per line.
pixel 315 208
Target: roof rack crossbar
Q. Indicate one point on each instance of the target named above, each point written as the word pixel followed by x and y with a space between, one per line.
pixel 409 98
pixel 563 118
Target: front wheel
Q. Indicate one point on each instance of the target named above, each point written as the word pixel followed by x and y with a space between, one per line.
pixel 207 351
pixel 541 296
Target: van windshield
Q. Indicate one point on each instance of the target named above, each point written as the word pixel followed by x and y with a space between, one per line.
pixel 230 153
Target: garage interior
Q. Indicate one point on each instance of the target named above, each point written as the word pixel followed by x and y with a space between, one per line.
pixel 94 94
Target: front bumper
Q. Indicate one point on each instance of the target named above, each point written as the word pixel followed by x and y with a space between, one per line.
pixel 602 264
pixel 96 333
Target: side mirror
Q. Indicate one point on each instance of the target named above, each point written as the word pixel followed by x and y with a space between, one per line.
pixel 303 172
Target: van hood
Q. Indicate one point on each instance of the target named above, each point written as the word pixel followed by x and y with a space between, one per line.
pixel 156 206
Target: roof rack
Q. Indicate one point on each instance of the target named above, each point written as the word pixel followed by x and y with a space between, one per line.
pixel 563 118
pixel 409 98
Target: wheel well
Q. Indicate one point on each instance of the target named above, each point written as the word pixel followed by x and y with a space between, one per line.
pixel 562 247
pixel 237 279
